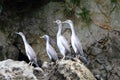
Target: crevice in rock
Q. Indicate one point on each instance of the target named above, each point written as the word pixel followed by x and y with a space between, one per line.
pixel 21 57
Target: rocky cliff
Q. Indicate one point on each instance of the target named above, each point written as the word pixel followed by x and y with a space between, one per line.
pixel 96 24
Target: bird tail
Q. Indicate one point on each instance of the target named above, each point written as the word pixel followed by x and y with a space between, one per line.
pixel 83 59
pixel 36 64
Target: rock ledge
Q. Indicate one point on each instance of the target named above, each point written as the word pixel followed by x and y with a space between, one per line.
pixel 62 70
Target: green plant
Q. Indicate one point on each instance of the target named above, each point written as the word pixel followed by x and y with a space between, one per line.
pixel 115 4
pixel 113 1
pixel 85 15
pixel 68 12
pixel 75 2
pixel 71 7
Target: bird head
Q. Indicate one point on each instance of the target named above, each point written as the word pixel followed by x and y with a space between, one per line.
pixel 67 21
pixel 57 21
pixel 45 36
pixel 20 33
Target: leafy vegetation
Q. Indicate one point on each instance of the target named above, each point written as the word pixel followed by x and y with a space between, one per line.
pixel 115 4
pixel 85 14
pixel 73 9
pixel 75 2
pixel 113 1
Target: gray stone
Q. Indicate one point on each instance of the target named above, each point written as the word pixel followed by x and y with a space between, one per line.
pixel 15 70
pixel 62 70
pixel 100 38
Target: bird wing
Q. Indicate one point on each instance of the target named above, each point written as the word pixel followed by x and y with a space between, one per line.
pixel 52 52
pixel 65 43
pixel 30 51
pixel 31 54
pixel 78 45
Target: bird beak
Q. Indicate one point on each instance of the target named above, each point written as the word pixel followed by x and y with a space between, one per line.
pixel 42 37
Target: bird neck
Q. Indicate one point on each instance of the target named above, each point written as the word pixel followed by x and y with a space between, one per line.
pixel 59 29
pixel 72 29
pixel 24 40
pixel 47 41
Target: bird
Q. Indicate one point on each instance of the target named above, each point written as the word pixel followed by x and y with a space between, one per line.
pixel 62 43
pixel 29 50
pixel 52 54
pixel 75 42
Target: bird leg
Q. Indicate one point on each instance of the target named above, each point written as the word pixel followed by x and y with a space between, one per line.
pixel 29 63
pixel 63 57
pixel 57 61
pixel 82 58
pixel 77 56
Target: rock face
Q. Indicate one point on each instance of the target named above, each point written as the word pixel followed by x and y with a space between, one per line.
pixel 15 70
pixel 100 38
pixel 62 70
pixel 74 70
